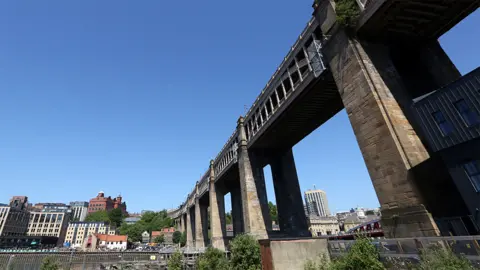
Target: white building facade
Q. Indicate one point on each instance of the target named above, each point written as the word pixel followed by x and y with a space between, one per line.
pixel 78 232
pixel 316 202
pixel 79 210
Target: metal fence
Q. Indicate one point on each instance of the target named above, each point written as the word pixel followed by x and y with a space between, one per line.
pixel 94 260
pixel 469 246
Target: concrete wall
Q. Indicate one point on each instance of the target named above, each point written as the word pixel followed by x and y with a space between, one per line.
pixel 293 254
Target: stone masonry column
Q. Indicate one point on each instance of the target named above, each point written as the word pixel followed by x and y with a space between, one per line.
pixel 204 215
pixel 254 223
pixel 189 229
pixel 389 145
pixel 199 237
pixel 237 215
pixel 216 228
pixel 259 177
pixel 182 223
pixel 291 213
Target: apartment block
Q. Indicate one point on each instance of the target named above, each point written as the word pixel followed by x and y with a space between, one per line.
pixel 78 232
pixel 48 224
pixel 13 222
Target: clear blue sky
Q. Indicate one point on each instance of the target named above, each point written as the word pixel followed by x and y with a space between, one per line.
pixel 135 97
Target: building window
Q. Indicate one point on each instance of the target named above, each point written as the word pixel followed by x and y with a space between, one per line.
pixel 469 117
pixel 472 169
pixel 444 126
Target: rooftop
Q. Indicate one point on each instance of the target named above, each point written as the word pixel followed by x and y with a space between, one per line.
pixel 111 238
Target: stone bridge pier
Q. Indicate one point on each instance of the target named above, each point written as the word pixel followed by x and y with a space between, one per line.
pixel 379 68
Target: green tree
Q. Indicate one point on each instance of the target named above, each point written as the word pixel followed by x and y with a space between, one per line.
pixel 49 263
pixel 228 217
pixel 347 12
pixel 438 258
pixel 362 255
pixel 159 239
pixel 99 216
pixel 176 261
pixel 245 252
pixel 134 231
pixel 212 259
pixel 273 212
pixel 183 239
pixel 176 237
pixel 115 216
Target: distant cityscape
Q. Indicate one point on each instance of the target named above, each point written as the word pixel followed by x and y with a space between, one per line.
pixel 54 224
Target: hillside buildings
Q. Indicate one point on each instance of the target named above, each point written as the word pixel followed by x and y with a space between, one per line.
pixel 102 203
pixel 78 232
pixel 105 241
pixel 320 226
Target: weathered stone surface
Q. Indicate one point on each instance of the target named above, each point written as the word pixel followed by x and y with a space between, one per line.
pixel 199 226
pixel 216 208
pixel 292 254
pixel 254 223
pixel 189 230
pixel 389 145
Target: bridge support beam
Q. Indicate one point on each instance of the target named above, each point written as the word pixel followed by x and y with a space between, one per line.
pixel 199 225
pixel 254 222
pixel 237 214
pixel 204 215
pixel 189 229
pixel 367 80
pixel 291 213
pixel 182 223
pixel 217 213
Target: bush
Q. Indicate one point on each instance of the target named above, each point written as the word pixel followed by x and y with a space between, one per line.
pixel 159 239
pixel 49 263
pixel 362 255
pixel 322 263
pixel 176 261
pixel 212 259
pixel 438 258
pixel 347 12
pixel 183 239
pixel 245 252
pixel 176 237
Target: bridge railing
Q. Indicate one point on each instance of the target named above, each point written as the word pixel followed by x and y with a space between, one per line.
pixel 227 155
pixel 95 260
pixel 304 57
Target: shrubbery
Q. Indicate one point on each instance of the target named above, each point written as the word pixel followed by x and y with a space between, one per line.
pixel 245 253
pixel 176 261
pixel 347 12
pixel 49 263
pixel 212 259
pixel 438 258
pixel 362 255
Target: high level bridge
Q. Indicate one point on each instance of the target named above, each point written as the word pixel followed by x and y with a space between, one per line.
pixel 374 71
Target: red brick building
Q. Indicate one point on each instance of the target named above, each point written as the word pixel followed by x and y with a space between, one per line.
pixel 101 202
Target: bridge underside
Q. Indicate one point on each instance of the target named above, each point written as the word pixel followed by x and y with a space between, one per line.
pixel 314 106
pixel 413 19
